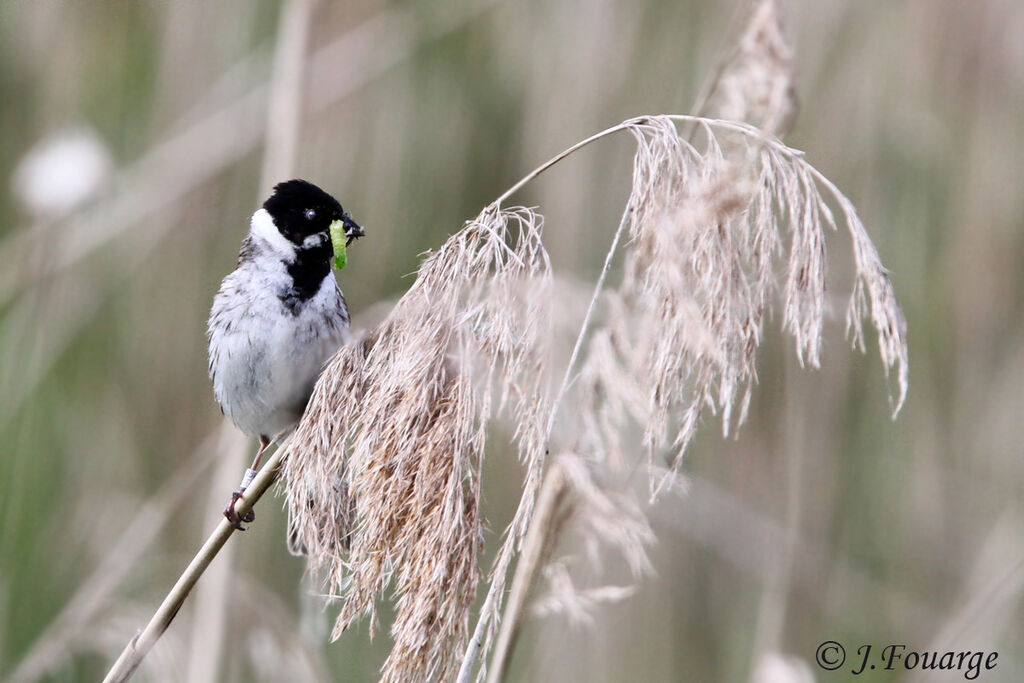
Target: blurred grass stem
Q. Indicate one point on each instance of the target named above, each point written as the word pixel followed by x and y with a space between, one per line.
pixel 538 540
pixel 281 140
pixel 212 597
pixel 143 642
pixel 96 591
pixel 194 153
pixel 284 117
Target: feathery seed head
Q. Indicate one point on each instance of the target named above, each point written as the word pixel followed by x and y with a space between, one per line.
pixel 385 463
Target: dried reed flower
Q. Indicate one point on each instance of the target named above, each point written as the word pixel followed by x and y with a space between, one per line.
pixel 682 329
pixel 605 522
pixel 386 460
pixel 384 470
pixel 579 605
pixel 755 81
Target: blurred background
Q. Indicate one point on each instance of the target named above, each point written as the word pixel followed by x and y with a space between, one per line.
pixel 134 148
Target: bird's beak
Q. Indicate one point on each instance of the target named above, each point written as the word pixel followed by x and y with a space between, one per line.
pixel 353 230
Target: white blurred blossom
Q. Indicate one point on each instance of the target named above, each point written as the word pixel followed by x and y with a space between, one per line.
pixel 61 171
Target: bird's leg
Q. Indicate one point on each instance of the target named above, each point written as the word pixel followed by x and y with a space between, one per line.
pixel 250 473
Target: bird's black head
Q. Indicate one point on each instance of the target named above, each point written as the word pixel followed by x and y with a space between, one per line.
pixel 301 209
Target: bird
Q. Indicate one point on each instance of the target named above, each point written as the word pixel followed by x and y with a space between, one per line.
pixel 278 316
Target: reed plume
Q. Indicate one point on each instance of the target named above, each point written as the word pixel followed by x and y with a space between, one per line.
pixel 383 473
pixel 708 230
pixel 386 462
pixel 755 79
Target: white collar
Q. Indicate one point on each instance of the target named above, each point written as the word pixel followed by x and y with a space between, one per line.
pixel 262 226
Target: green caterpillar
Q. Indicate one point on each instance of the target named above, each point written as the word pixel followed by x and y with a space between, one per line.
pixel 338 240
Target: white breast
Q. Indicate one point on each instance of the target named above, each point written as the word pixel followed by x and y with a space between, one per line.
pixel 264 359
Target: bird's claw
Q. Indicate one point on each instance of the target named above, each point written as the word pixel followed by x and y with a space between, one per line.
pixel 233 517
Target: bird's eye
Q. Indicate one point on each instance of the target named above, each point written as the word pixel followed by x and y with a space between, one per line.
pixel 310 214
